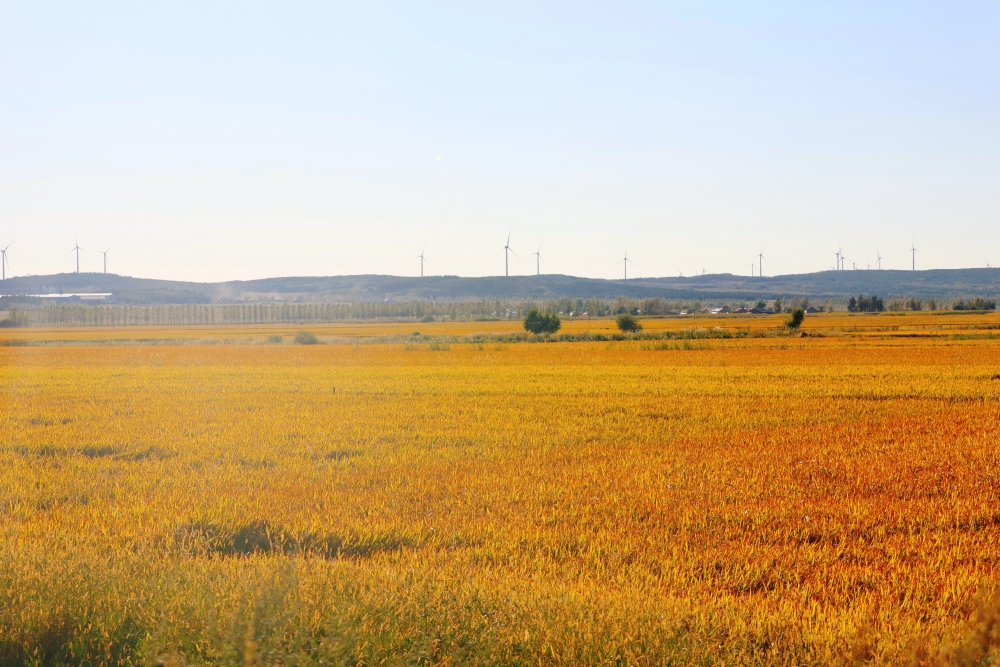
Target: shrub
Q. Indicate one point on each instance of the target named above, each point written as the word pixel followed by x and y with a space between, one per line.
pixel 537 323
pixel 978 304
pixel 274 339
pixel 627 323
pixel 796 319
pixel 305 338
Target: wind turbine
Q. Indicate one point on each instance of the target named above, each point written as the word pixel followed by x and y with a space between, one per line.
pixel 506 258
pixel 626 263
pixel 538 260
pixel 913 255
pixel 77 249
pixel 879 259
pixel 421 256
pixel 105 253
pixel 3 260
pixel 760 267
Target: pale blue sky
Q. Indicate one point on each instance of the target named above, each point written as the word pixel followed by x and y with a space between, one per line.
pixel 246 140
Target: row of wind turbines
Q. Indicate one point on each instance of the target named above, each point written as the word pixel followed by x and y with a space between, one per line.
pixel 841 259
pixel 5 264
pixel 756 269
pixel 538 259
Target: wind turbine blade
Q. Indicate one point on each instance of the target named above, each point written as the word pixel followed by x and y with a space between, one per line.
pixel 514 253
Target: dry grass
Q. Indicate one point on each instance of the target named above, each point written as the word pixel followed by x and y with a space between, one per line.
pixel 756 501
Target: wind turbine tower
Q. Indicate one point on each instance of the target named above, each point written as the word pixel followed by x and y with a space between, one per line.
pixel 760 267
pixel 421 256
pixel 506 257
pixel 105 253
pixel 3 260
pixel 626 262
pixel 913 256
pixel 879 259
pixel 77 249
pixel 538 260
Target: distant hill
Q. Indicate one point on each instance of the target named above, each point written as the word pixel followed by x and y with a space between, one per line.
pixel 939 283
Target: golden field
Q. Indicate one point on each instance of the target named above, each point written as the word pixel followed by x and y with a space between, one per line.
pixel 837 323
pixel 792 501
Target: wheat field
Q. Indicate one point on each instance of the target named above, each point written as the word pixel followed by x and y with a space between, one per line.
pixel 767 501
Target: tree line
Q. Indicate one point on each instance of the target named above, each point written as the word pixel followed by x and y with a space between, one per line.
pixel 305 313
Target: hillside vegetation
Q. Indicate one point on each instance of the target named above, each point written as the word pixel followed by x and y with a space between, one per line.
pixel 943 283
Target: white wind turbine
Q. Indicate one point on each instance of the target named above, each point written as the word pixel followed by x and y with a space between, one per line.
pixel 538 260
pixel 626 262
pixel 760 267
pixel 105 253
pixel 77 249
pixel 421 256
pixel 913 255
pixel 879 259
pixel 3 260
pixel 506 257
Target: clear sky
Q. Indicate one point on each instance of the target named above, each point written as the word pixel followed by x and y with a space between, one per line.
pixel 243 140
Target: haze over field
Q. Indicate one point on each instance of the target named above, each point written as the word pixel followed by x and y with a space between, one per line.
pixel 224 142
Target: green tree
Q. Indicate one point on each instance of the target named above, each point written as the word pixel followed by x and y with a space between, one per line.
pixel 537 322
pixel 627 323
pixel 306 338
pixel 795 321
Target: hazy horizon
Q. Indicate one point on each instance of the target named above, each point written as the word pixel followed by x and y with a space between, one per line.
pixel 234 143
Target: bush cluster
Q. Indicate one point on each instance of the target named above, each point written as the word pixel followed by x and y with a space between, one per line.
pixel 305 338
pixel 627 323
pixel 978 304
pixel 538 323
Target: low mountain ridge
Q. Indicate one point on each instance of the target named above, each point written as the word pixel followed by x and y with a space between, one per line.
pixel 936 283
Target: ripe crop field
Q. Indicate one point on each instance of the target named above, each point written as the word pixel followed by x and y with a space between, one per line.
pixel 841 324
pixel 786 501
